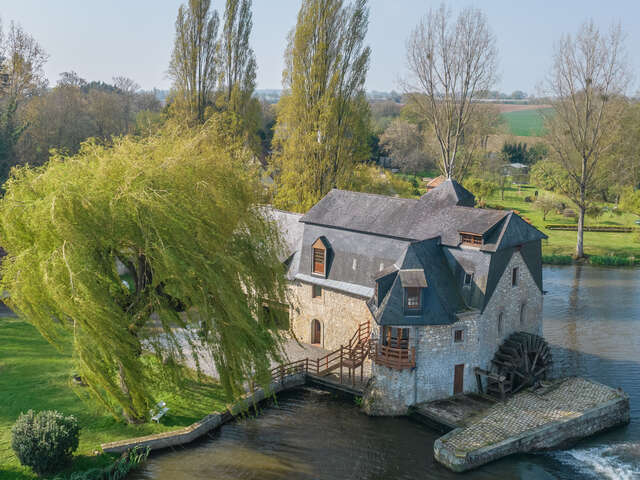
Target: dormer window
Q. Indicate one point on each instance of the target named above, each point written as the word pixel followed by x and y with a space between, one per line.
pixel 319 258
pixel 471 239
pixel 412 298
pixel 414 282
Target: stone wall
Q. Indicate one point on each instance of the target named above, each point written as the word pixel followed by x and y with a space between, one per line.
pixel 212 421
pixel 339 314
pixel 392 392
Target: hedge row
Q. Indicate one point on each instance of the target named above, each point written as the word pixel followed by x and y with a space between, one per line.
pixel 596 228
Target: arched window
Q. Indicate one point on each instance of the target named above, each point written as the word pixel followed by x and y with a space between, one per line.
pixel 500 323
pixel 523 311
pixel 316 332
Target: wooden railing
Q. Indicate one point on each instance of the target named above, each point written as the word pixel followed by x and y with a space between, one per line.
pixel 397 358
pixel 348 357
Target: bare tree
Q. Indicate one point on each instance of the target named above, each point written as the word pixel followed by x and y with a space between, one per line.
pixel 193 65
pixel 587 84
pixel 450 63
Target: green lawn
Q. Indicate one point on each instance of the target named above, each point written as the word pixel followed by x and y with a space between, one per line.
pixel 564 242
pixel 524 123
pixel 34 375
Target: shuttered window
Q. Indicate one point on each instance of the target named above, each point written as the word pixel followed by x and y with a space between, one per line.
pixel 472 239
pixel 319 255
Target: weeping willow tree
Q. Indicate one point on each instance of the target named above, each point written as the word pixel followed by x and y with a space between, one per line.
pixel 145 248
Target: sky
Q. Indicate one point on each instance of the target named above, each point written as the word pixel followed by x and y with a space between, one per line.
pixel 101 39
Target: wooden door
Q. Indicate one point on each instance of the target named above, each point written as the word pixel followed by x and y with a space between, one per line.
pixel 458 379
pixel 316 332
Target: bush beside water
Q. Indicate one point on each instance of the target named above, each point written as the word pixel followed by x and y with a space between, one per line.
pixel 45 441
pixel 117 471
pixel 602 260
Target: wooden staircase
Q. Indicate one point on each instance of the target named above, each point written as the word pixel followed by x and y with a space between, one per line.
pixel 350 357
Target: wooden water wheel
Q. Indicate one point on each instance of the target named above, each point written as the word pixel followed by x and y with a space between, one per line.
pixel 522 361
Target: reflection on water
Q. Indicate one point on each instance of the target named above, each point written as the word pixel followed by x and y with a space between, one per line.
pixel 592 317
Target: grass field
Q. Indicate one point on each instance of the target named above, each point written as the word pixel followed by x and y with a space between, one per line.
pixel 34 375
pixel 564 242
pixel 526 123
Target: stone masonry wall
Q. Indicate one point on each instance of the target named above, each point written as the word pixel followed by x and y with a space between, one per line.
pixel 339 314
pixel 437 353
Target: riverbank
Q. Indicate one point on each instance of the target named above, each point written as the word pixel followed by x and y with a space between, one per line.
pixel 34 375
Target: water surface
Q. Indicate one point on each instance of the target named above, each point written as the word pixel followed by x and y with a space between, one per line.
pixel 592 321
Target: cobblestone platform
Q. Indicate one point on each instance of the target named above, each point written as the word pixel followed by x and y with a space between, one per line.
pixel 565 410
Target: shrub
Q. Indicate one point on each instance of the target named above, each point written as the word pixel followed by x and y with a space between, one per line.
pixel 611 260
pixel 130 460
pixel 557 259
pixel 44 441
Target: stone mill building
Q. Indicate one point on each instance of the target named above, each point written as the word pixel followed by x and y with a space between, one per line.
pixel 441 283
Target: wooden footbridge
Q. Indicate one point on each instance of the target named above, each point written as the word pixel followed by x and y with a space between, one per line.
pixel 336 370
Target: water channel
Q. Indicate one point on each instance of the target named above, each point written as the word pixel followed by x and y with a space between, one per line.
pixel 592 320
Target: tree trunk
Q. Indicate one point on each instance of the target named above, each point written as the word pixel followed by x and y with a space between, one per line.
pixel 129 414
pixel 580 242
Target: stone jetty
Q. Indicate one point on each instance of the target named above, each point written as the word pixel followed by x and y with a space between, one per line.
pixel 553 416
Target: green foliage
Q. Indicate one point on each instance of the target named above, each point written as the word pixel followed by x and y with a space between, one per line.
pixel 322 127
pixel 557 259
pixel 630 201
pixel 44 441
pixel 482 189
pixel 193 66
pixel 371 179
pixel 35 375
pixel 177 210
pixel 612 260
pixel 520 152
pixel 118 470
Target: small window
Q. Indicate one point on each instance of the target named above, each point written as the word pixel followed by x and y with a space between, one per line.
pixel 319 255
pixel 500 323
pixel 316 291
pixel 468 279
pixel 412 298
pixel 523 312
pixel 458 336
pixel 472 239
pixel 514 277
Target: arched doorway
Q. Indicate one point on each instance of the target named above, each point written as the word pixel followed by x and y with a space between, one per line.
pixel 316 332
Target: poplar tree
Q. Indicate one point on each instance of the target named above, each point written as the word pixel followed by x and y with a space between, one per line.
pixel 140 249
pixel 194 66
pixel 237 60
pixel 323 118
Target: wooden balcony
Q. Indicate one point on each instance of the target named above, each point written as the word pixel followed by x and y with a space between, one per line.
pixel 396 358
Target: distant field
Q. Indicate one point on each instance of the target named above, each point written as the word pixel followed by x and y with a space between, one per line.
pixel 525 122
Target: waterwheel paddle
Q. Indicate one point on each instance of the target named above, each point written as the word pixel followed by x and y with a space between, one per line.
pixel 524 359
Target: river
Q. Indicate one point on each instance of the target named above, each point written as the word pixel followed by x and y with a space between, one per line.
pixel 592 321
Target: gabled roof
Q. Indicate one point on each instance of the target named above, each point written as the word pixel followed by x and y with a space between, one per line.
pixel 443 212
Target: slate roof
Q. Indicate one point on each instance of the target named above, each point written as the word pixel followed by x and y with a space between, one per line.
pixel 440 301
pixel 443 212
pixel 290 228
pixel 395 243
